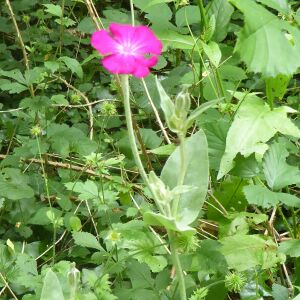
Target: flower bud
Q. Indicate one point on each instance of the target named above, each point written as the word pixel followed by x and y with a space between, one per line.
pixel 234 282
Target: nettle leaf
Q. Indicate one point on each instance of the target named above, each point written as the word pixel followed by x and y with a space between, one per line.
pixel 254 124
pixel 86 239
pixel 260 195
pixel 52 289
pixel 267 44
pixel 278 172
pixel 65 139
pixel 196 154
pixel 12 87
pixel 73 65
pixel 243 252
pixel 54 10
pixel 86 190
pixel 222 10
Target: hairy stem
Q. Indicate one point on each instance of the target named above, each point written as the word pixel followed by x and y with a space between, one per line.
pixel 177 264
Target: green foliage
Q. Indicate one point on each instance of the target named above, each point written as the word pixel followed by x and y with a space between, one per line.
pixel 279 42
pixel 77 220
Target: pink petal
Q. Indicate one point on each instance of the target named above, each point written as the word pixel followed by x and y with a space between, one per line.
pixel 122 32
pixel 141 71
pixel 103 43
pixel 119 64
pixel 140 36
pixel 148 41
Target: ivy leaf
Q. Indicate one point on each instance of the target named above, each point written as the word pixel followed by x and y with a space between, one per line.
pixel 86 239
pixel 261 196
pixel 267 44
pixel 259 252
pixel 52 289
pixel 196 155
pixel 278 173
pixel 254 124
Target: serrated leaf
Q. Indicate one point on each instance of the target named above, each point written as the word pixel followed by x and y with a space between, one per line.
pixel 257 250
pixel 86 239
pixel 260 195
pixel 73 65
pixel 254 124
pixel 278 172
pixel 15 190
pixel 52 289
pixel 267 44
pixel 54 10
pixel 291 248
pixel 196 155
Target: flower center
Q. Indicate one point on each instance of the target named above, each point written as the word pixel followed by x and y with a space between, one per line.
pixel 127 48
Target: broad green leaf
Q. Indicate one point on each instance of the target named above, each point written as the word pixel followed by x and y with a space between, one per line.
pixel 86 190
pixel 222 10
pixel 243 252
pixel 52 289
pixel 213 52
pixel 200 110
pixel 166 103
pixel 216 133
pixel 175 40
pixel 150 139
pixel 86 239
pixel 232 73
pixel 168 223
pixel 54 10
pixel 260 195
pixel 280 292
pixel 245 167
pixel 267 44
pixel 254 124
pixel 73 65
pixel 41 217
pixel 15 188
pixel 163 150
pixel 12 87
pixel 276 87
pixel 143 5
pixel 75 223
pixel 53 66
pixel 280 5
pixel 86 25
pixel 290 248
pixel 188 15
pixel 278 172
pixel 14 74
pixel 196 155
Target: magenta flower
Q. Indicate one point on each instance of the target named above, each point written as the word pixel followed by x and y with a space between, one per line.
pixel 128 49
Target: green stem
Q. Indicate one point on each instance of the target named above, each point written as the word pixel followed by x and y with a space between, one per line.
pixel 220 83
pixel 204 22
pixel 134 149
pixel 131 136
pixel 181 177
pixel 286 222
pixel 177 264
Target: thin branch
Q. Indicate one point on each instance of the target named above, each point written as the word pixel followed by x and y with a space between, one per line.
pixel 94 15
pixel 7 286
pixel 156 113
pixel 26 62
pixel 86 99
